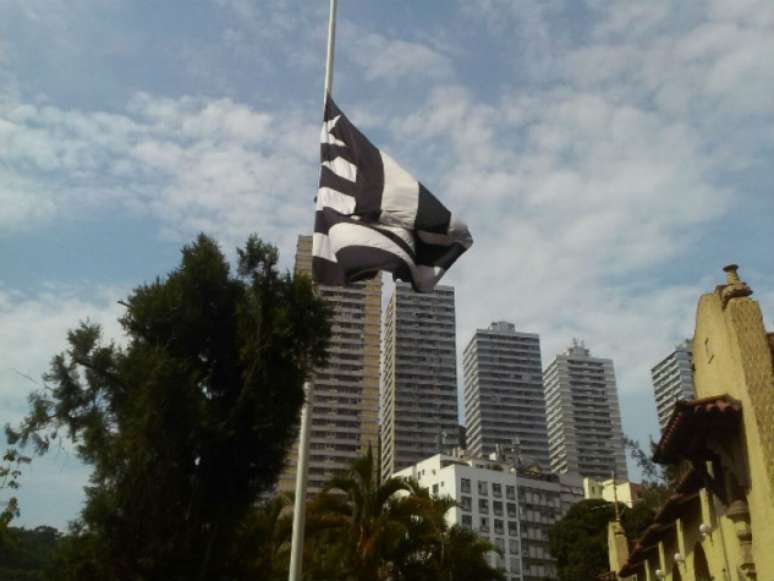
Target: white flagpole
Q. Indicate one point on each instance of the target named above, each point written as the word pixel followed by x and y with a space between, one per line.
pixel 299 508
pixel 299 512
pixel 331 47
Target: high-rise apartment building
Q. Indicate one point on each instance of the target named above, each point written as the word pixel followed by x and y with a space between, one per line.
pixel 584 417
pixel 672 381
pixel 504 398
pixel 345 407
pixel 419 377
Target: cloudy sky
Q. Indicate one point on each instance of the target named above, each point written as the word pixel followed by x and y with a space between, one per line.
pixel 609 156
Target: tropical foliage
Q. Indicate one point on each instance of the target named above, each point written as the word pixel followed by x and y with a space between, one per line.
pixel 365 528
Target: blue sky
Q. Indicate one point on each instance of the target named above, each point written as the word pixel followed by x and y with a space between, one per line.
pixel 609 157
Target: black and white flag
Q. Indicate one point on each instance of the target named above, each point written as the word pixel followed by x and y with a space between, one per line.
pixel 371 215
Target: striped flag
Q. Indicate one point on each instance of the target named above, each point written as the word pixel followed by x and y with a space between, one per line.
pixel 371 215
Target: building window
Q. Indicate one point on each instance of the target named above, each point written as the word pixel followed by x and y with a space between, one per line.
pixel 515 565
pixel 499 542
pixel 484 524
pixel 467 521
pixel 510 492
pixel 483 506
pixel 465 485
pixel 511 510
pixel 466 503
pixel 513 546
pixel 483 488
pixel 497 508
pixel 497 490
pixel 513 528
pixel 435 490
pixel 499 529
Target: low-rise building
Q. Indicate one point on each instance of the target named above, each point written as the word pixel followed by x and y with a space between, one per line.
pixel 611 490
pixel 513 512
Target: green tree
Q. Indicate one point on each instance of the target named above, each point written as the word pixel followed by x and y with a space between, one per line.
pixel 189 422
pixel 28 553
pixel 658 482
pixel 10 471
pixel 579 540
pixel 464 556
pixel 263 541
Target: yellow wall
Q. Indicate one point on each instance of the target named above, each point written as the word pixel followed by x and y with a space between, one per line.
pixel 731 355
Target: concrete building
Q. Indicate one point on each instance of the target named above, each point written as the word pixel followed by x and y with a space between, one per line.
pixel 513 513
pixel 419 377
pixel 346 393
pixel 672 381
pixel 584 417
pixel 504 398
pixel 611 490
pixel 718 523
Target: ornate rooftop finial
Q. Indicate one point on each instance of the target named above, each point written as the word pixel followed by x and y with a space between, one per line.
pixel 735 287
pixel 732 274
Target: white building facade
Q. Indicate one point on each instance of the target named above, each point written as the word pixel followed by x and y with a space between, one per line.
pixel 611 490
pixel 513 513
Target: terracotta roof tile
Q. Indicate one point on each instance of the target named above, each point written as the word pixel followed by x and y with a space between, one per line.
pixel 691 422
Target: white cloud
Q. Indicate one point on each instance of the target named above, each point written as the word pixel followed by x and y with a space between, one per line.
pixel 386 59
pixel 586 191
pixel 193 164
pixel 582 192
pixel 34 329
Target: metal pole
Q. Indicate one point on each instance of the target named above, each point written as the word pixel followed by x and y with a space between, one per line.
pixel 516 450
pixel 299 512
pixel 331 48
pixel 299 508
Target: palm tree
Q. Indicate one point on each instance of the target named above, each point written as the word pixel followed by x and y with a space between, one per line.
pixel 363 528
pixel 263 542
pixel 464 557
pixel 366 516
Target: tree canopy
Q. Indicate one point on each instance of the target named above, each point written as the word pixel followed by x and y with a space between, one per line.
pixel 27 553
pixel 190 421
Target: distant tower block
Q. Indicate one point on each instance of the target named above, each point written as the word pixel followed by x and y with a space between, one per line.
pixel 672 381
pixel 419 386
pixel 584 417
pixel 346 392
pixel 504 397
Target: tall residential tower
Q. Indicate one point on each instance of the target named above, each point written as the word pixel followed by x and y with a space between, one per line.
pixel 345 406
pixel 584 418
pixel 419 387
pixel 672 381
pixel 504 398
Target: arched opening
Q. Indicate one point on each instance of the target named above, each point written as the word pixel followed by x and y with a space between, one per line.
pixel 700 565
pixel 676 573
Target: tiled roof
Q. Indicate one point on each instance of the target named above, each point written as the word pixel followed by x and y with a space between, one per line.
pixel 691 423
